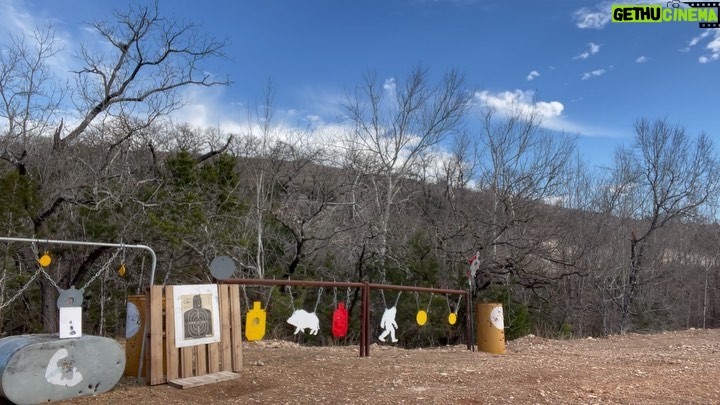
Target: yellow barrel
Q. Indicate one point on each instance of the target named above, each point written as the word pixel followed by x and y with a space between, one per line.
pixel 134 328
pixel 489 319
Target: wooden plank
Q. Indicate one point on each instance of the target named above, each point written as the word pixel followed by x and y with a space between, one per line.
pixel 236 328
pixel 201 367
pixel 145 348
pixel 203 380
pixel 173 355
pixel 213 350
pixel 213 358
pixel 225 340
pixel 186 361
pixel 157 376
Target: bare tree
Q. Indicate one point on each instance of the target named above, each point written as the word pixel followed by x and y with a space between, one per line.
pixel 30 94
pixel 667 175
pixel 524 180
pixel 149 58
pixel 395 124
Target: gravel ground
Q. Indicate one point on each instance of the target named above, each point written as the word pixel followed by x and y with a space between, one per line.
pixel 668 368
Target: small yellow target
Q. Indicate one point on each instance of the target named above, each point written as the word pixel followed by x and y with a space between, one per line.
pixel 45 259
pixel 452 318
pixel 121 270
pixel 421 317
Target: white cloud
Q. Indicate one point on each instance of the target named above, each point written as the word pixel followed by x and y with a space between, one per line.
pixel 533 75
pixel 713 46
pixel 598 16
pixel 594 73
pixel 694 41
pixel 14 18
pixel 583 55
pixel 522 102
pixel 641 59
pixel 551 113
pixel 708 59
pixel 593 48
pixel 18 20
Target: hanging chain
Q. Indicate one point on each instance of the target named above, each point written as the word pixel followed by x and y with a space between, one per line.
pixel 267 299
pixel 50 279
pixel 101 271
pixel 457 306
pixel 21 291
pixel 428 305
pixel 247 300
pixel 292 300
pixel 40 269
pixel 317 302
pixel 382 291
pixel 334 304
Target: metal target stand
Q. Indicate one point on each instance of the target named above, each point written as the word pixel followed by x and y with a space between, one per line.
pixel 70 293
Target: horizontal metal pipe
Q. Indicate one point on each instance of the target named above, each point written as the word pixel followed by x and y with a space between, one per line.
pixel 82 243
pixel 300 283
pixel 365 303
pixel 417 289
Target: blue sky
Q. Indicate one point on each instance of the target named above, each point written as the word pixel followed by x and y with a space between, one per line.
pixel 589 76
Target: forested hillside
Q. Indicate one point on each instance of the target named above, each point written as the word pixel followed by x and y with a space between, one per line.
pixel 413 180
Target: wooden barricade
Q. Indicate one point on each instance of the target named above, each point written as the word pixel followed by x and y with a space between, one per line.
pixel 196 365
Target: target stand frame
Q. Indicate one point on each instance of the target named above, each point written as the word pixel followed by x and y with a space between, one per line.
pixel 191 366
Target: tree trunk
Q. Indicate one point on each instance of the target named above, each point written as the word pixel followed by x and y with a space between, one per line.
pixel 49 306
pixel 629 293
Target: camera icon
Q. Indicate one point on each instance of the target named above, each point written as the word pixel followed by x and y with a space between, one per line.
pixel 674 3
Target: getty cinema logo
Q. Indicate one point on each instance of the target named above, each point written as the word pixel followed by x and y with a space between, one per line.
pixel 705 13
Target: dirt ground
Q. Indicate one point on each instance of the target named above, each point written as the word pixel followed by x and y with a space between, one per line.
pixel 668 368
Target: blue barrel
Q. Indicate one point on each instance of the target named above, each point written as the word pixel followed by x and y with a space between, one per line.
pixel 45 368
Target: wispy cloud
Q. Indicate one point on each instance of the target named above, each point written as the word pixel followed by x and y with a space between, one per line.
pixel 593 17
pixel 598 16
pixel 695 40
pixel 713 46
pixel 532 75
pixel 594 73
pixel 18 20
pixel 507 103
pixel 641 59
pixel 708 59
pixel 14 18
pixel 593 48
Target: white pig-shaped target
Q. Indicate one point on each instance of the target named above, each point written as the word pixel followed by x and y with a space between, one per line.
pixel 302 320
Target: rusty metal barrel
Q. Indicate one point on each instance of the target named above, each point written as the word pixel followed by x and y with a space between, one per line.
pixel 489 319
pixel 45 368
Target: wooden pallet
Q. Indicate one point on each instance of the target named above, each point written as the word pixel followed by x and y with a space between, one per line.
pixel 166 362
pixel 213 378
